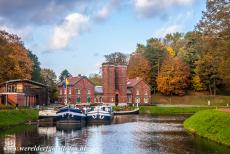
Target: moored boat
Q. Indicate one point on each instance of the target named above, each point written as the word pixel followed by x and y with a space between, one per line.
pixel 100 114
pixel 70 115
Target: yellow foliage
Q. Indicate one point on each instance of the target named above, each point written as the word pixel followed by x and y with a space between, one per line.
pixel 170 51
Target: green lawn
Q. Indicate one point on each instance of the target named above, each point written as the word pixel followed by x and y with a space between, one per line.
pixel 123 108
pixel 10 118
pixel 170 110
pixel 211 124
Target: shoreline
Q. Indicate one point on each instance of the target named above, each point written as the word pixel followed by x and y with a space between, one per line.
pixel 211 124
pixel 15 117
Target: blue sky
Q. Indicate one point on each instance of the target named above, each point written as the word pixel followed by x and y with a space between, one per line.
pixel 76 34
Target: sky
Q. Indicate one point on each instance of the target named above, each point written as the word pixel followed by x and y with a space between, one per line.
pixel 76 34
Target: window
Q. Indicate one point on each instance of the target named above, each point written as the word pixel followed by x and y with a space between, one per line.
pixel 79 100
pixel 78 91
pixel 69 91
pixel 88 99
pixel 146 92
pixel 60 91
pixel 146 100
pixel 112 100
pixel 138 99
pixel 137 92
pixel 88 91
pixel 65 91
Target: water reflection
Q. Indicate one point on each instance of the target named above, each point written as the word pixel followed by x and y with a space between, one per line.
pixel 127 134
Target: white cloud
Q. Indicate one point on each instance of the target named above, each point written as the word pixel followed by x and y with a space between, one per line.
pixel 175 24
pixel 106 10
pixel 72 26
pixel 147 8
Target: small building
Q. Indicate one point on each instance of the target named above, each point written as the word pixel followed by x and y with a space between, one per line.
pixel 138 91
pixel 80 90
pixel 22 92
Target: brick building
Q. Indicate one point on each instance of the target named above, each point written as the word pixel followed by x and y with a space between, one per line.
pixel 23 93
pixel 79 90
pixel 115 89
pixel 138 91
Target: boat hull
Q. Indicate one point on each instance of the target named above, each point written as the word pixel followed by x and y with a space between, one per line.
pixel 99 118
pixel 70 116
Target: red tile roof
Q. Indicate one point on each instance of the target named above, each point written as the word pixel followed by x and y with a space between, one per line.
pixel 133 82
pixel 72 80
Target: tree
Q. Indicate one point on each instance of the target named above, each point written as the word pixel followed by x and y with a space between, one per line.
pixel 96 79
pixel 15 62
pixel 116 58
pixel 139 66
pixel 207 70
pixel 64 74
pixel 173 77
pixel 48 77
pixel 215 29
pixel 155 54
pixel 36 75
pixel 215 20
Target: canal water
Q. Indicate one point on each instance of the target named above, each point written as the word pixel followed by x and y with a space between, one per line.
pixel 131 134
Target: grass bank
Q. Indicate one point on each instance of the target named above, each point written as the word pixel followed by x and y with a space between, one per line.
pixel 123 108
pixel 191 100
pixel 211 124
pixel 171 110
pixel 9 118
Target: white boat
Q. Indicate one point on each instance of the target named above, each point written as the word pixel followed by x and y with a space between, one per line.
pixel 100 114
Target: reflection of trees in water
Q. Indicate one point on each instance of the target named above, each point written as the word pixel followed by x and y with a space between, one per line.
pixel 72 136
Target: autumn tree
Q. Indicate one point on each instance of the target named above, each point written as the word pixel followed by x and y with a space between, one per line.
pixel 15 62
pixel 116 58
pixel 64 74
pixel 215 37
pixel 173 77
pixel 139 66
pixel 155 53
pixel 49 78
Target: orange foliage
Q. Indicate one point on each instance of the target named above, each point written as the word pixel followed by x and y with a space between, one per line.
pixel 173 77
pixel 138 66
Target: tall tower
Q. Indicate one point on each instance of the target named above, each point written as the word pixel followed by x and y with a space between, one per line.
pixel 114 80
pixel 108 83
pixel 120 83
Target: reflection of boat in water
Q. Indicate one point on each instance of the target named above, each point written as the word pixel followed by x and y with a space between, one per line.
pixel 68 128
pixel 70 115
pixel 48 131
pixel 100 114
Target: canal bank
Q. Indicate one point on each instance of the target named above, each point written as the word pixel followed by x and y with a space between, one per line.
pixel 10 118
pixel 211 124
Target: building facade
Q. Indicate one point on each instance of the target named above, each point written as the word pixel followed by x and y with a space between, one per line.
pixel 138 91
pixel 23 93
pixel 80 90
pixel 115 89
